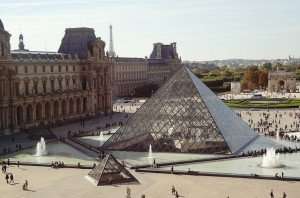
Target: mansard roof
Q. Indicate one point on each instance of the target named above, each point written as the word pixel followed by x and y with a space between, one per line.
pixel 77 41
pixel 1 25
pixel 129 59
pixel 25 54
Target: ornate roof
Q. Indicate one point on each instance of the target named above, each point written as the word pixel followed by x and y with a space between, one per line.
pixel 40 55
pixel 77 41
pixel 1 25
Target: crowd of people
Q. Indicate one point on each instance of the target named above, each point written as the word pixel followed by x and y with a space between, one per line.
pixel 9 176
pixel 277 123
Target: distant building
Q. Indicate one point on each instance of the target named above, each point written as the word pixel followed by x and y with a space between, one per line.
pixel 235 87
pixel 281 81
pixel 132 73
pixel 129 74
pixel 163 63
pixel 39 88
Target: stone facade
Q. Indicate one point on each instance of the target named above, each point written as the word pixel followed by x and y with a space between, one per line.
pixel 131 73
pixel 42 88
pixel 281 81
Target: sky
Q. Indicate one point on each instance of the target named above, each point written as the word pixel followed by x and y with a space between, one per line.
pixel 203 29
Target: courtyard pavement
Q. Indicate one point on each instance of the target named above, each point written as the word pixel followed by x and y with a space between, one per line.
pixel 71 183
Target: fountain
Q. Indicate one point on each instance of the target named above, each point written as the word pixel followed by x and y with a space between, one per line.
pixel 101 138
pixel 41 149
pixel 271 159
pixel 277 135
pixel 150 152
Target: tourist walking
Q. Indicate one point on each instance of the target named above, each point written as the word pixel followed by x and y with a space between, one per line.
pixel 11 179
pixel 4 168
pixel 284 195
pixel 176 194
pixel 271 194
pixel 7 178
pixel 25 185
pixel 173 190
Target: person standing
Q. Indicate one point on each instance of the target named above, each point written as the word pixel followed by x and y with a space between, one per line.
pixel 11 179
pixel 284 195
pixel 7 178
pixel 271 194
pixel 173 190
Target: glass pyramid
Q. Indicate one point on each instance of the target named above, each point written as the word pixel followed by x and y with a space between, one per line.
pixel 184 115
pixel 110 171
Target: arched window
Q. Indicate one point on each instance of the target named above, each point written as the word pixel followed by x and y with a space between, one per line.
pixel 29 114
pixel 47 111
pixel 19 115
pixel 84 84
pixel 38 112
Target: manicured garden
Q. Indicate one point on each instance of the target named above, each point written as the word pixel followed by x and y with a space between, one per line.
pixel 263 103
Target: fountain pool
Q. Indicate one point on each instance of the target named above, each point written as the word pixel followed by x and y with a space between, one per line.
pixel 271 159
pixel 56 152
pixel 41 149
pixel 246 166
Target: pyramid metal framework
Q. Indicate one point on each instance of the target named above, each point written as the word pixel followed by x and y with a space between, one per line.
pixel 184 115
pixel 110 171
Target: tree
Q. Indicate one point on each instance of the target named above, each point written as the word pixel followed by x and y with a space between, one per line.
pixel 263 79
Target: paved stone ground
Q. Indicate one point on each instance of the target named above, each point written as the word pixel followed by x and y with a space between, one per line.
pixel 289 118
pixel 71 183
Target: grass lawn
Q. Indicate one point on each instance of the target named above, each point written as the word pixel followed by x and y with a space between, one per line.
pixel 263 103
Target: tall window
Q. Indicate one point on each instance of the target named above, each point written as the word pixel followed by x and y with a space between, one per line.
pixel 17 88
pixel 25 69
pixel 51 68
pixel 2 49
pixel 26 88
pixel 35 87
pixel 35 69
pixel 67 83
pixel 44 68
pixel 45 86
pixel 74 83
pixel 59 68
pixel 60 84
pixel 52 85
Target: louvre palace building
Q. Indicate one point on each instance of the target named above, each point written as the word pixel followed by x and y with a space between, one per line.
pixel 39 88
pixel 132 73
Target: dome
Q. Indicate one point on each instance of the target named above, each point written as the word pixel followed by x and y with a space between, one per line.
pixel 1 25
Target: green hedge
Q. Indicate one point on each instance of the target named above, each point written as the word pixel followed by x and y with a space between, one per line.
pixel 288 103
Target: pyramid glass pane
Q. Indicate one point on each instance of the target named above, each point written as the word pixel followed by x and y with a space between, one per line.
pixel 184 115
pixel 175 119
